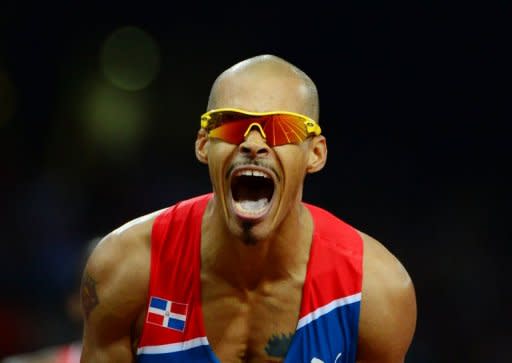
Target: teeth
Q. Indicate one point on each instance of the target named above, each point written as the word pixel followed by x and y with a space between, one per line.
pixel 247 172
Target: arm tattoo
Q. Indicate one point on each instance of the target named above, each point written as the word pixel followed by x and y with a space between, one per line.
pixel 89 296
pixel 277 345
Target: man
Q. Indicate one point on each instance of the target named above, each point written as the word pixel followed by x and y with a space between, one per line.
pixel 249 273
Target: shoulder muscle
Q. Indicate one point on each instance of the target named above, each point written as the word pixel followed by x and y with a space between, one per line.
pixel 114 289
pixel 388 306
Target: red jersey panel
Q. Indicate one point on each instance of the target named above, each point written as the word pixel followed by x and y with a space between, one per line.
pixel 329 316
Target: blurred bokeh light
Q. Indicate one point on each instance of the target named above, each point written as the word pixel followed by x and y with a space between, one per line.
pixel 113 120
pixel 130 58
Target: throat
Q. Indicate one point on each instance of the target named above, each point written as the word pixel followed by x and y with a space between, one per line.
pixel 249 257
pixel 262 262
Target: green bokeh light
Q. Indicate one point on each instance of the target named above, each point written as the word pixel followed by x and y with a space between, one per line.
pixel 130 58
pixel 114 120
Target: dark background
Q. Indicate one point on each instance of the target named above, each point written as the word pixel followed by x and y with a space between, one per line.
pixel 415 104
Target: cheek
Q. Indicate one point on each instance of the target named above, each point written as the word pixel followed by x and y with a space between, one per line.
pixel 293 161
pixel 218 156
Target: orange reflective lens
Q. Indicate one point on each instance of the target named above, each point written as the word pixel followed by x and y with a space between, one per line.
pixel 278 128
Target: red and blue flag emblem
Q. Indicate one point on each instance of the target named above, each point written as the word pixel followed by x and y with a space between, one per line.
pixel 166 313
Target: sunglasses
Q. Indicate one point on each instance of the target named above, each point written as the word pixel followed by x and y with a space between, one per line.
pixel 277 128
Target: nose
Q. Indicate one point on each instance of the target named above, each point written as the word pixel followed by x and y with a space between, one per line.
pixel 254 144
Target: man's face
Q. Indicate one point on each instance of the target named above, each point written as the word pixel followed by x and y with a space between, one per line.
pixel 256 185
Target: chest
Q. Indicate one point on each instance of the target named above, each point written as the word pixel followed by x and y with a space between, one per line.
pixel 250 326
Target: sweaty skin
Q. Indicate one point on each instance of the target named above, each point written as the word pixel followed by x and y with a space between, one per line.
pixel 251 272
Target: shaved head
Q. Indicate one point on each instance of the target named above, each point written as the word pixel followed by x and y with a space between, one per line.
pixel 265 83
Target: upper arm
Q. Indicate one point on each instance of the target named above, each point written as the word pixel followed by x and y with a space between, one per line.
pixel 388 307
pixel 113 294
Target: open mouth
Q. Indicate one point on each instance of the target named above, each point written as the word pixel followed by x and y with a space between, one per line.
pixel 251 190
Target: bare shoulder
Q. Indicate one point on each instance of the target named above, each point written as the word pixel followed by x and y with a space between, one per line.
pixel 388 306
pixel 118 267
pixel 114 291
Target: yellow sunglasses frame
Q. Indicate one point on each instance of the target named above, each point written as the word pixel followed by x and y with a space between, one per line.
pixel 312 127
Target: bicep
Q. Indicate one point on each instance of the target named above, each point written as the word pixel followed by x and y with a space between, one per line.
pixel 111 299
pixel 385 336
pixel 106 338
pixel 98 349
pixel 388 310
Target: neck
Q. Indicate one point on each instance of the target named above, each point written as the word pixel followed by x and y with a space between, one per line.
pixel 283 254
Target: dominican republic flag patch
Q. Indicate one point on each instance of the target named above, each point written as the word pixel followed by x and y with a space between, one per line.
pixel 166 313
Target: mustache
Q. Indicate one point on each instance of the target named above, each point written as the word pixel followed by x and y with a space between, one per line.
pixel 252 162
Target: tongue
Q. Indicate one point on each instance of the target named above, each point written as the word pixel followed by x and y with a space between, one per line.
pixel 252 205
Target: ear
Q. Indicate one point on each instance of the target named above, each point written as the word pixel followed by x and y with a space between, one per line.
pixel 317 154
pixel 202 143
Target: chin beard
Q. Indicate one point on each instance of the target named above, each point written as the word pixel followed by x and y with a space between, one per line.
pixel 248 237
